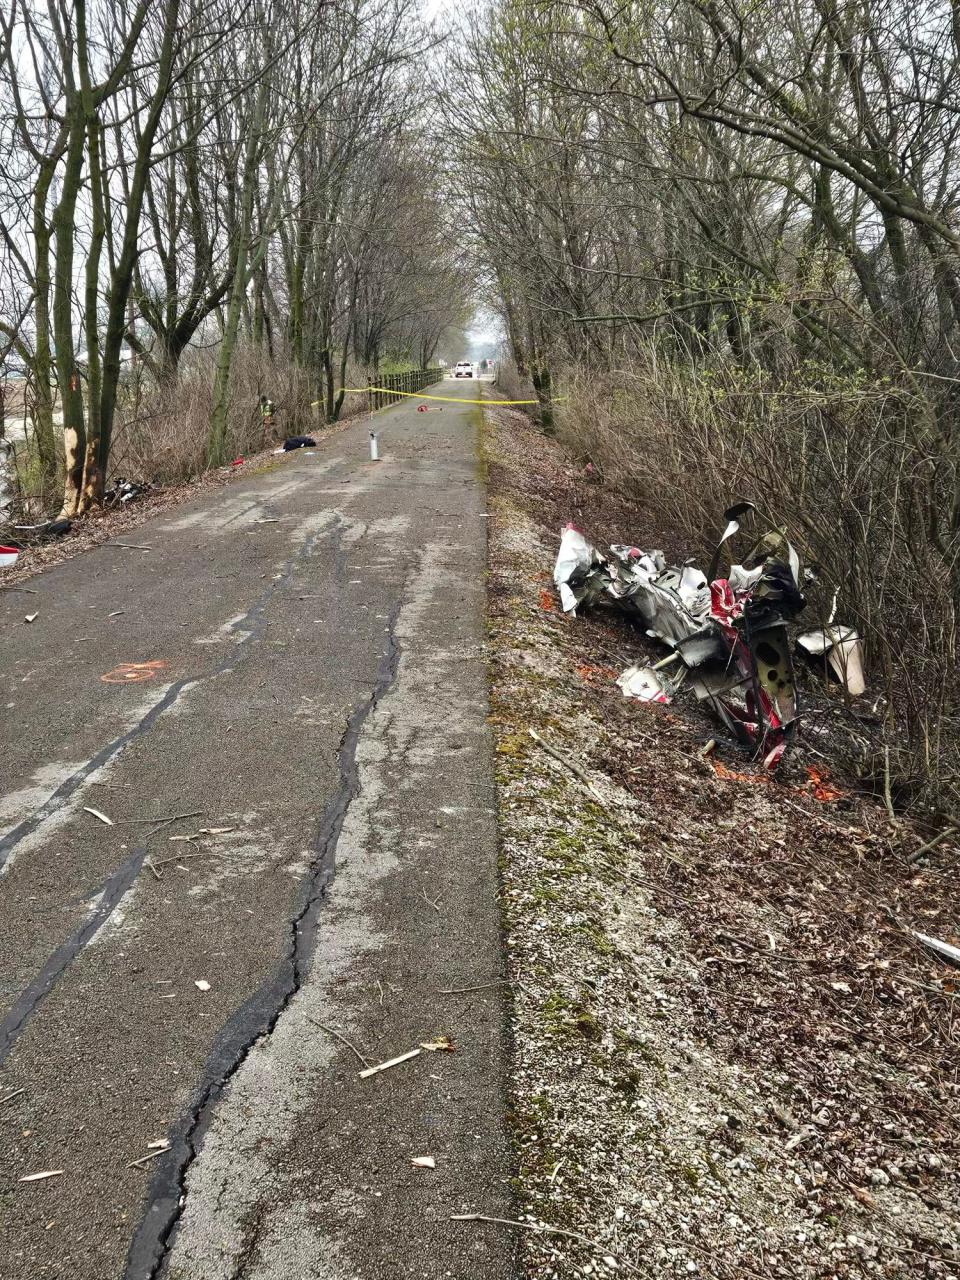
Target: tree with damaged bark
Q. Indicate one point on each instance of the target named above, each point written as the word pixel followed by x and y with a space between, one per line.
pixel 65 75
pixel 731 229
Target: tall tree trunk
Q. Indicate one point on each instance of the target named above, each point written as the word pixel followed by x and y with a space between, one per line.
pixel 68 375
pixel 42 363
pixel 217 434
pixel 92 485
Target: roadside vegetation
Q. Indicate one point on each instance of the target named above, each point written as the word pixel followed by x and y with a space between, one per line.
pixel 732 1056
pixel 202 204
pixel 722 239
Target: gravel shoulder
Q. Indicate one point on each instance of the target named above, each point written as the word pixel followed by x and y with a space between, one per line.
pixel 731 1058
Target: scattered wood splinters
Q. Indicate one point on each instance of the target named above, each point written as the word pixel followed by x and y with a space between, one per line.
pixel 97 814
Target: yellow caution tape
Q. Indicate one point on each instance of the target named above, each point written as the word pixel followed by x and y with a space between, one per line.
pixel 419 395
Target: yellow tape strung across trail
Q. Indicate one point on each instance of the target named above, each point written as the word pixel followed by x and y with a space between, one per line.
pixel 418 395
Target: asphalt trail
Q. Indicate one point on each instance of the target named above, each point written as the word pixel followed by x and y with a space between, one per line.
pixel 299 662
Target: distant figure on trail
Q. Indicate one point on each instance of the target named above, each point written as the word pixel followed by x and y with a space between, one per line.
pixel 266 412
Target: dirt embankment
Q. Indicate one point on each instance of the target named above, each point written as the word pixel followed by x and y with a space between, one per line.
pixel 732 1056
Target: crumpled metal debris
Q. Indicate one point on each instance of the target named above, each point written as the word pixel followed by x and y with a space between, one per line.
pixel 839 649
pixel 123 491
pixel 728 634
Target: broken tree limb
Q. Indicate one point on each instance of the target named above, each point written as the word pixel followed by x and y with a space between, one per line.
pixel 393 1062
pixel 331 1031
pixel 887 794
pixel 931 844
pixel 483 986
pixel 97 814
pixel 151 1155
pixel 575 769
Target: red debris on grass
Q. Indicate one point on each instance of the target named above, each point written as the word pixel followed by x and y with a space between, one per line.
pixel 732 775
pixel 820 785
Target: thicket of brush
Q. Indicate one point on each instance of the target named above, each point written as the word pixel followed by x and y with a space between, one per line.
pixel 162 433
pixel 848 473
pixel 728 232
pixel 161 428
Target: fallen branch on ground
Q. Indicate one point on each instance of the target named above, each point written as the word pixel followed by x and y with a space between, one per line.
pixel 575 769
pixel 342 1038
pixel 931 844
pixel 459 991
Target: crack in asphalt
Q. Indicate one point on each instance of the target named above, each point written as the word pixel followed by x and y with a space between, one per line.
pixel 37 991
pixel 110 893
pixel 259 1015
pixel 253 621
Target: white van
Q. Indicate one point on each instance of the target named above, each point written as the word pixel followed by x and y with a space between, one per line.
pixel 464 369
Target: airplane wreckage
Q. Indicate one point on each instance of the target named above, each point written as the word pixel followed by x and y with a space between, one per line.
pixel 728 635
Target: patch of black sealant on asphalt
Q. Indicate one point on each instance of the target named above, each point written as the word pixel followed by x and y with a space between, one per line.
pixel 257 1018
pixel 105 904
pixel 253 622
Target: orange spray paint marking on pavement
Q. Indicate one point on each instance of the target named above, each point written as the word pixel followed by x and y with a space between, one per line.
pixel 133 672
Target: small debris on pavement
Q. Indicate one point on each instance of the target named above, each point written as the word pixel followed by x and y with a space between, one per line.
pixel 39 1177
pixel 98 814
pixel 439 1044
pixel 393 1062
pixel 154 1149
pixel 133 672
pixel 201 984
pixel 423 1162
pixel 30 617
